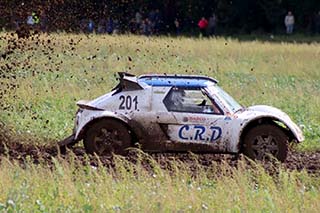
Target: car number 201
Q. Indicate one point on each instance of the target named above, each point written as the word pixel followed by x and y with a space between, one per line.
pixel 127 102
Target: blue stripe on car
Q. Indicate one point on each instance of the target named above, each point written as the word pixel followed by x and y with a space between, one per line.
pixel 179 82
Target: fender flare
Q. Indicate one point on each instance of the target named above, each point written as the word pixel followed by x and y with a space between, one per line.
pixel 137 130
pixel 78 134
pixel 291 128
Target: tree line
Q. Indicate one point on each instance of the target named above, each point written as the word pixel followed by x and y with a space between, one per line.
pixel 233 16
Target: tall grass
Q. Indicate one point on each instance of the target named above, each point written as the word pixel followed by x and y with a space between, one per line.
pixel 285 75
pixel 69 187
pixel 281 74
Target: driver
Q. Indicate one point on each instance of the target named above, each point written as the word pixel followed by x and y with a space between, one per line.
pixel 178 98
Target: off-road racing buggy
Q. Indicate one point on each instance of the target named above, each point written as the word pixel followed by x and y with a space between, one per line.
pixel 180 113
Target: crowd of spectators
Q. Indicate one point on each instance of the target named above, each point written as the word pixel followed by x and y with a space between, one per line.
pixel 149 23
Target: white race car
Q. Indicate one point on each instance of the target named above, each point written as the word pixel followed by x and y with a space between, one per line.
pixel 180 113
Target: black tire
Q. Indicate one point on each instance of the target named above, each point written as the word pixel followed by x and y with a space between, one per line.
pixel 106 137
pixel 264 140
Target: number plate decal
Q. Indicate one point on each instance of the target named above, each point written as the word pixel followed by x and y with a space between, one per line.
pixel 128 102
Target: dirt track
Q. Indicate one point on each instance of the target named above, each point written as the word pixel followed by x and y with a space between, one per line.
pixel 309 161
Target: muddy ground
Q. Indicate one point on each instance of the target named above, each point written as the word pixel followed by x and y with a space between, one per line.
pixel 308 161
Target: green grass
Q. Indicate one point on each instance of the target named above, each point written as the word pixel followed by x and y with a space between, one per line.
pixel 284 75
pixel 69 187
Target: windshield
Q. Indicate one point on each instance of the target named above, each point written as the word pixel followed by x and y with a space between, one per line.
pixel 230 103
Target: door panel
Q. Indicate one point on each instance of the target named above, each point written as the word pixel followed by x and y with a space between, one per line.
pixel 196 123
pixel 196 132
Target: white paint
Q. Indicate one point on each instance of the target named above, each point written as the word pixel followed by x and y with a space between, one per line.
pixel 148 109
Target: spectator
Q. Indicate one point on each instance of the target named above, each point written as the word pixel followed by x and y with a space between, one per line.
pixel 90 26
pixel 33 21
pixel 30 20
pixel 317 23
pixel 35 18
pixel 146 27
pixel 138 18
pixel 151 18
pixel 289 22
pixel 82 24
pixel 109 27
pixel 177 26
pixel 101 26
pixel 15 23
pixel 116 26
pixel 212 25
pixel 43 21
pixel 152 15
pixel 157 21
pixel 132 26
pixel 203 24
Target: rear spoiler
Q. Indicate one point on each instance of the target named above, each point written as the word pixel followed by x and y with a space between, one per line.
pixel 128 82
pixel 85 104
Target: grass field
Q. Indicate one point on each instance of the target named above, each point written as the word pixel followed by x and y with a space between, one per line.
pixel 41 109
pixel 284 75
pixel 68 187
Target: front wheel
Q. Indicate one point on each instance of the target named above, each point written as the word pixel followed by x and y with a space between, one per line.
pixel 264 141
pixel 106 137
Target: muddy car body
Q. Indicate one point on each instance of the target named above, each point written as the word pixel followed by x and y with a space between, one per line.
pixel 179 113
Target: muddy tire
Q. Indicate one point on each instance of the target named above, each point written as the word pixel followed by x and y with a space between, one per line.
pixel 264 141
pixel 106 137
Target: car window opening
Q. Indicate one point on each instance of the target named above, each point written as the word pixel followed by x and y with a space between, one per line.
pixel 190 100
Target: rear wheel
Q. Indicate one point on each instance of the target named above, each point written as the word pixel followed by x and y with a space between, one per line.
pixel 264 141
pixel 106 137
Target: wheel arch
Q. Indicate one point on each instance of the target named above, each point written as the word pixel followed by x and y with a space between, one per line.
pixel 266 120
pixel 123 121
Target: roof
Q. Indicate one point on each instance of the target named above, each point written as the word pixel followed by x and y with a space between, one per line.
pixel 177 80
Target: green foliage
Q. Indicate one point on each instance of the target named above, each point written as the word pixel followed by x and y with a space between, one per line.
pixel 283 75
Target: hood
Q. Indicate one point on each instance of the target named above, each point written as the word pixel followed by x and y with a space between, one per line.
pixel 268 110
